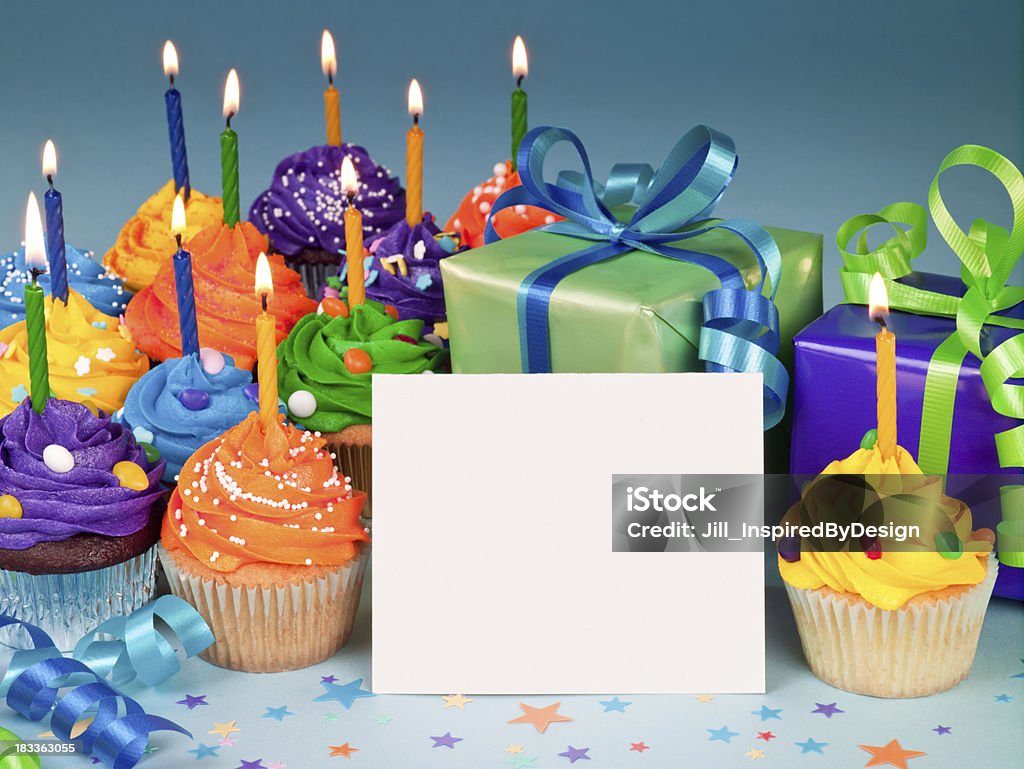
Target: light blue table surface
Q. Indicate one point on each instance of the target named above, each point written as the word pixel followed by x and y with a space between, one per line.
pixel 396 731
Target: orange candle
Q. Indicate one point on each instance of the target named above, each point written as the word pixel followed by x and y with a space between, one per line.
pixel 353 235
pixel 266 345
pixel 414 159
pixel 332 104
pixel 885 350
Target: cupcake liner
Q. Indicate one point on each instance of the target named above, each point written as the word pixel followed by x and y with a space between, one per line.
pixel 268 629
pixel 67 606
pixel 314 276
pixel 357 463
pixel 922 648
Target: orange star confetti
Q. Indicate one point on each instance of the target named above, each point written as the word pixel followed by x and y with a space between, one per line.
pixel 224 729
pixel 345 750
pixel 456 701
pixel 892 754
pixel 540 718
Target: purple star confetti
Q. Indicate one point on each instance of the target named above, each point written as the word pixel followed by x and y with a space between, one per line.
pixel 193 702
pixel 257 764
pixel 828 710
pixel 940 729
pixel 446 740
pixel 328 679
pixel 575 754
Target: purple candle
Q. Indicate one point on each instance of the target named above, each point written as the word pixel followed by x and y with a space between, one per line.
pixel 183 285
pixel 175 123
pixel 55 227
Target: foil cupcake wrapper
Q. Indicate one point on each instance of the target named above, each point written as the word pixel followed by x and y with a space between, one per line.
pixel 920 649
pixel 357 463
pixel 269 629
pixel 67 606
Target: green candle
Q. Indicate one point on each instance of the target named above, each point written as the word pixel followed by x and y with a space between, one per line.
pixel 519 70
pixel 35 315
pixel 229 152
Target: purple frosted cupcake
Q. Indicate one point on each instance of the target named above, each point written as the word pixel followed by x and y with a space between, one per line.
pixel 80 511
pixel 303 211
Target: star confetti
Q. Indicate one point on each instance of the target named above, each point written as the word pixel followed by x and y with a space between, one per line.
pixel 575 754
pixel 331 716
pixel 345 750
pixel 224 729
pixel 513 749
pixel 723 734
pixel 767 713
pixel 753 754
pixel 445 741
pixel 940 729
pixel 384 720
pixel 278 714
pixel 257 764
pixel 704 698
pixel 892 753
pixel 276 765
pixel 346 694
pixel 1003 698
pixel 766 736
pixel 205 751
pixel 540 718
pixel 226 742
pixel 328 679
pixel 828 710
pixel 810 746
pixel 639 747
pixel 193 702
pixel 456 701
pixel 523 761
pixel 614 704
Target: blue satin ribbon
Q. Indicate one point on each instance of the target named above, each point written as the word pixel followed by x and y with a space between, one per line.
pixel 741 325
pixel 120 727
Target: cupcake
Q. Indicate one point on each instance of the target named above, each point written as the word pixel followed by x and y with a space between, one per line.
pixel 184 403
pixel 145 242
pixel 325 368
pixel 223 268
pixel 92 357
pixel 263 537
pixel 889 623
pixel 101 289
pixel 470 219
pixel 80 511
pixel 303 211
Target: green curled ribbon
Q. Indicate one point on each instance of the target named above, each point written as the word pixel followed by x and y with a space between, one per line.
pixel 10 759
pixel 988 255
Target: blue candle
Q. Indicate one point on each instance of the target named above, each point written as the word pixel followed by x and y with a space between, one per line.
pixel 183 285
pixel 175 123
pixel 55 228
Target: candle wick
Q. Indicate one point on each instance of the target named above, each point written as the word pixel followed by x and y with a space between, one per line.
pixel 177 237
pixel 36 272
pixel 171 76
pixel 330 78
pixel 880 320
pixel 519 82
pixel 416 118
pixel 49 180
pixel 230 115
pixel 263 298
pixel 351 196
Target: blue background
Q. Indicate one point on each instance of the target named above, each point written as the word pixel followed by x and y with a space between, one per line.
pixel 836 108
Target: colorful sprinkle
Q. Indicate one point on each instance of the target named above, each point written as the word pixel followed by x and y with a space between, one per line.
pixel 869 440
pixel 10 507
pixel 358 361
pixel 419 249
pixel 131 476
pixel 18 393
pixel 213 360
pixel 194 400
pixel 302 404
pixel 105 354
pixel 58 458
pixel 142 435
pixel 87 391
pixel 404 338
pixel 100 324
pixel 424 281
pixel 152 452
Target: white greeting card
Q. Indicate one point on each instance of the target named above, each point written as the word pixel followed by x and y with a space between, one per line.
pixel 493 562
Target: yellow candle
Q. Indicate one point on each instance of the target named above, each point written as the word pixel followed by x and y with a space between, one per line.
pixel 266 345
pixel 332 104
pixel 353 235
pixel 885 350
pixel 414 159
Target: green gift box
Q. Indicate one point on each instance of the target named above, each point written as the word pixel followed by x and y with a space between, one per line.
pixel 636 312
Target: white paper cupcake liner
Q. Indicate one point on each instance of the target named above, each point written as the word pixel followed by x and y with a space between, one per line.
pixel 67 606
pixel 920 649
pixel 266 629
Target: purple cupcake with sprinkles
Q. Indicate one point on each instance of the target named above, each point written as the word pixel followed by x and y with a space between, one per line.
pixel 303 211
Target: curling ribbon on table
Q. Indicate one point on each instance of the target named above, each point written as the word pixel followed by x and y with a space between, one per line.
pixel 10 759
pixel 120 727
pixel 741 325
pixel 988 255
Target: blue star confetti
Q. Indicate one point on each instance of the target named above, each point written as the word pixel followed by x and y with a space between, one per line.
pixel 278 714
pixel 346 694
pixel 767 713
pixel 205 751
pixel 614 705
pixel 810 746
pixel 722 734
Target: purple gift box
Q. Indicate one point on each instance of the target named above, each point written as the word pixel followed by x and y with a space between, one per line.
pixel 834 399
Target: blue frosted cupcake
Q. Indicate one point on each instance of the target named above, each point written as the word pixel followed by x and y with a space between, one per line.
pixel 186 402
pixel 102 289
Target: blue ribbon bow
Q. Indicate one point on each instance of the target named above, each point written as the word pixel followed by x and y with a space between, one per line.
pixel 741 324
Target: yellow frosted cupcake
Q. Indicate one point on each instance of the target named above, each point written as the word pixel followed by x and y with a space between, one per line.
pixel 890 624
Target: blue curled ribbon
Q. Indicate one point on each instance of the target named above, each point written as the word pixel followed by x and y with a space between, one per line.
pixel 741 324
pixel 120 728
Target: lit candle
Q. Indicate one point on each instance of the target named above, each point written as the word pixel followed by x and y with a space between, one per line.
pixel 885 349
pixel 332 105
pixel 35 315
pixel 414 158
pixel 55 227
pixel 229 152
pixel 175 123
pixel 183 285
pixel 520 68
pixel 266 345
pixel 353 234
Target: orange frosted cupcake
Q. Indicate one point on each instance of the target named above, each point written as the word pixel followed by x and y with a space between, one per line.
pixel 145 242
pixel 224 271
pixel 263 537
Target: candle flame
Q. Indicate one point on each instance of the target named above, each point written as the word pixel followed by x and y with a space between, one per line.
pixel 328 59
pixel 264 280
pixel 170 60
pixel 35 251
pixel 49 159
pixel 178 217
pixel 349 178
pixel 231 94
pixel 415 98
pixel 878 299
pixel 520 65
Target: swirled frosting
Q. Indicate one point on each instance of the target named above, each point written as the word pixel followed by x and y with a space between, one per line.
pixel 312 359
pixel 89 499
pixel 92 356
pixel 251 496
pixel 893 578
pixel 470 218
pixel 102 289
pixel 154 405
pixel 418 293
pixel 304 208
pixel 224 271
pixel 145 242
